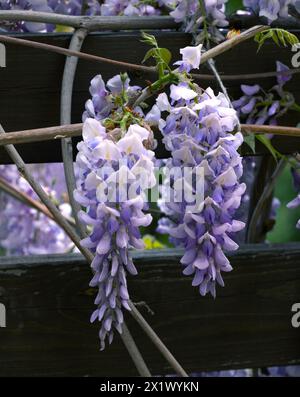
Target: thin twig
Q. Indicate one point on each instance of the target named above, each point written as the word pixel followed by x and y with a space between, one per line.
pixel 234 41
pixel 75 130
pixel 213 68
pixel 157 341
pixel 219 49
pixel 26 199
pixel 131 66
pixel 252 228
pixel 23 169
pixel 271 129
pixel 82 55
pixel 65 118
pixel 245 76
pixel 41 134
pixel 135 354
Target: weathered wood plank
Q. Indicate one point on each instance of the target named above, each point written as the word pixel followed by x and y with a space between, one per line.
pixel 30 84
pixel 48 305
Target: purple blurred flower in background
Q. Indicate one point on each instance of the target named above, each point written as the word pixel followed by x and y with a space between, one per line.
pixel 24 230
pixel 33 5
pixel 271 9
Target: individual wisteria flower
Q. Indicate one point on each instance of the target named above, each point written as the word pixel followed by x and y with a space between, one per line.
pixel 24 230
pixel 271 9
pixel 256 106
pixel 197 129
pixel 190 58
pixel 114 170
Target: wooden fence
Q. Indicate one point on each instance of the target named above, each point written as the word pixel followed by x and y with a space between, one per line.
pixel 47 298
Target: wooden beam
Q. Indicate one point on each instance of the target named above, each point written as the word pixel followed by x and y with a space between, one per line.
pixel 48 304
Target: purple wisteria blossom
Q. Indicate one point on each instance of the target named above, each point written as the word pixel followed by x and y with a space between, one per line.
pixel 197 129
pixel 189 12
pixel 82 7
pixel 108 97
pixel 24 230
pixel 130 7
pixel 271 9
pixel 114 171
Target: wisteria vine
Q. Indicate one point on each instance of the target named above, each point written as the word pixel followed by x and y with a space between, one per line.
pixel 115 162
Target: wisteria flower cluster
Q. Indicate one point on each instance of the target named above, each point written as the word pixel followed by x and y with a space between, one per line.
pixel 271 9
pixel 110 97
pixel 256 106
pixel 259 107
pixel 130 7
pixel 198 131
pixel 24 230
pixel 115 168
pixel 190 12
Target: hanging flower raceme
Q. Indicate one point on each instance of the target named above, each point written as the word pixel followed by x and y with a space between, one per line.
pixel 271 9
pixel 198 131
pixel 114 170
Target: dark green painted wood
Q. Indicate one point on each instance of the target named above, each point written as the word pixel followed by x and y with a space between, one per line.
pixel 249 324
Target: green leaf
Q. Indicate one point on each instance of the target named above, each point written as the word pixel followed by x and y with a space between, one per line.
pixel 267 143
pixel 279 36
pixel 233 5
pixel 149 54
pixel 165 55
pixel 249 139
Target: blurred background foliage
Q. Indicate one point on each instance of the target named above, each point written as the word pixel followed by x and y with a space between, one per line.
pixel 234 5
pixel 286 219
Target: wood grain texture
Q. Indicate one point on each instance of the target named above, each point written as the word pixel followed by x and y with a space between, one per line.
pixel 49 302
pixel 30 84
